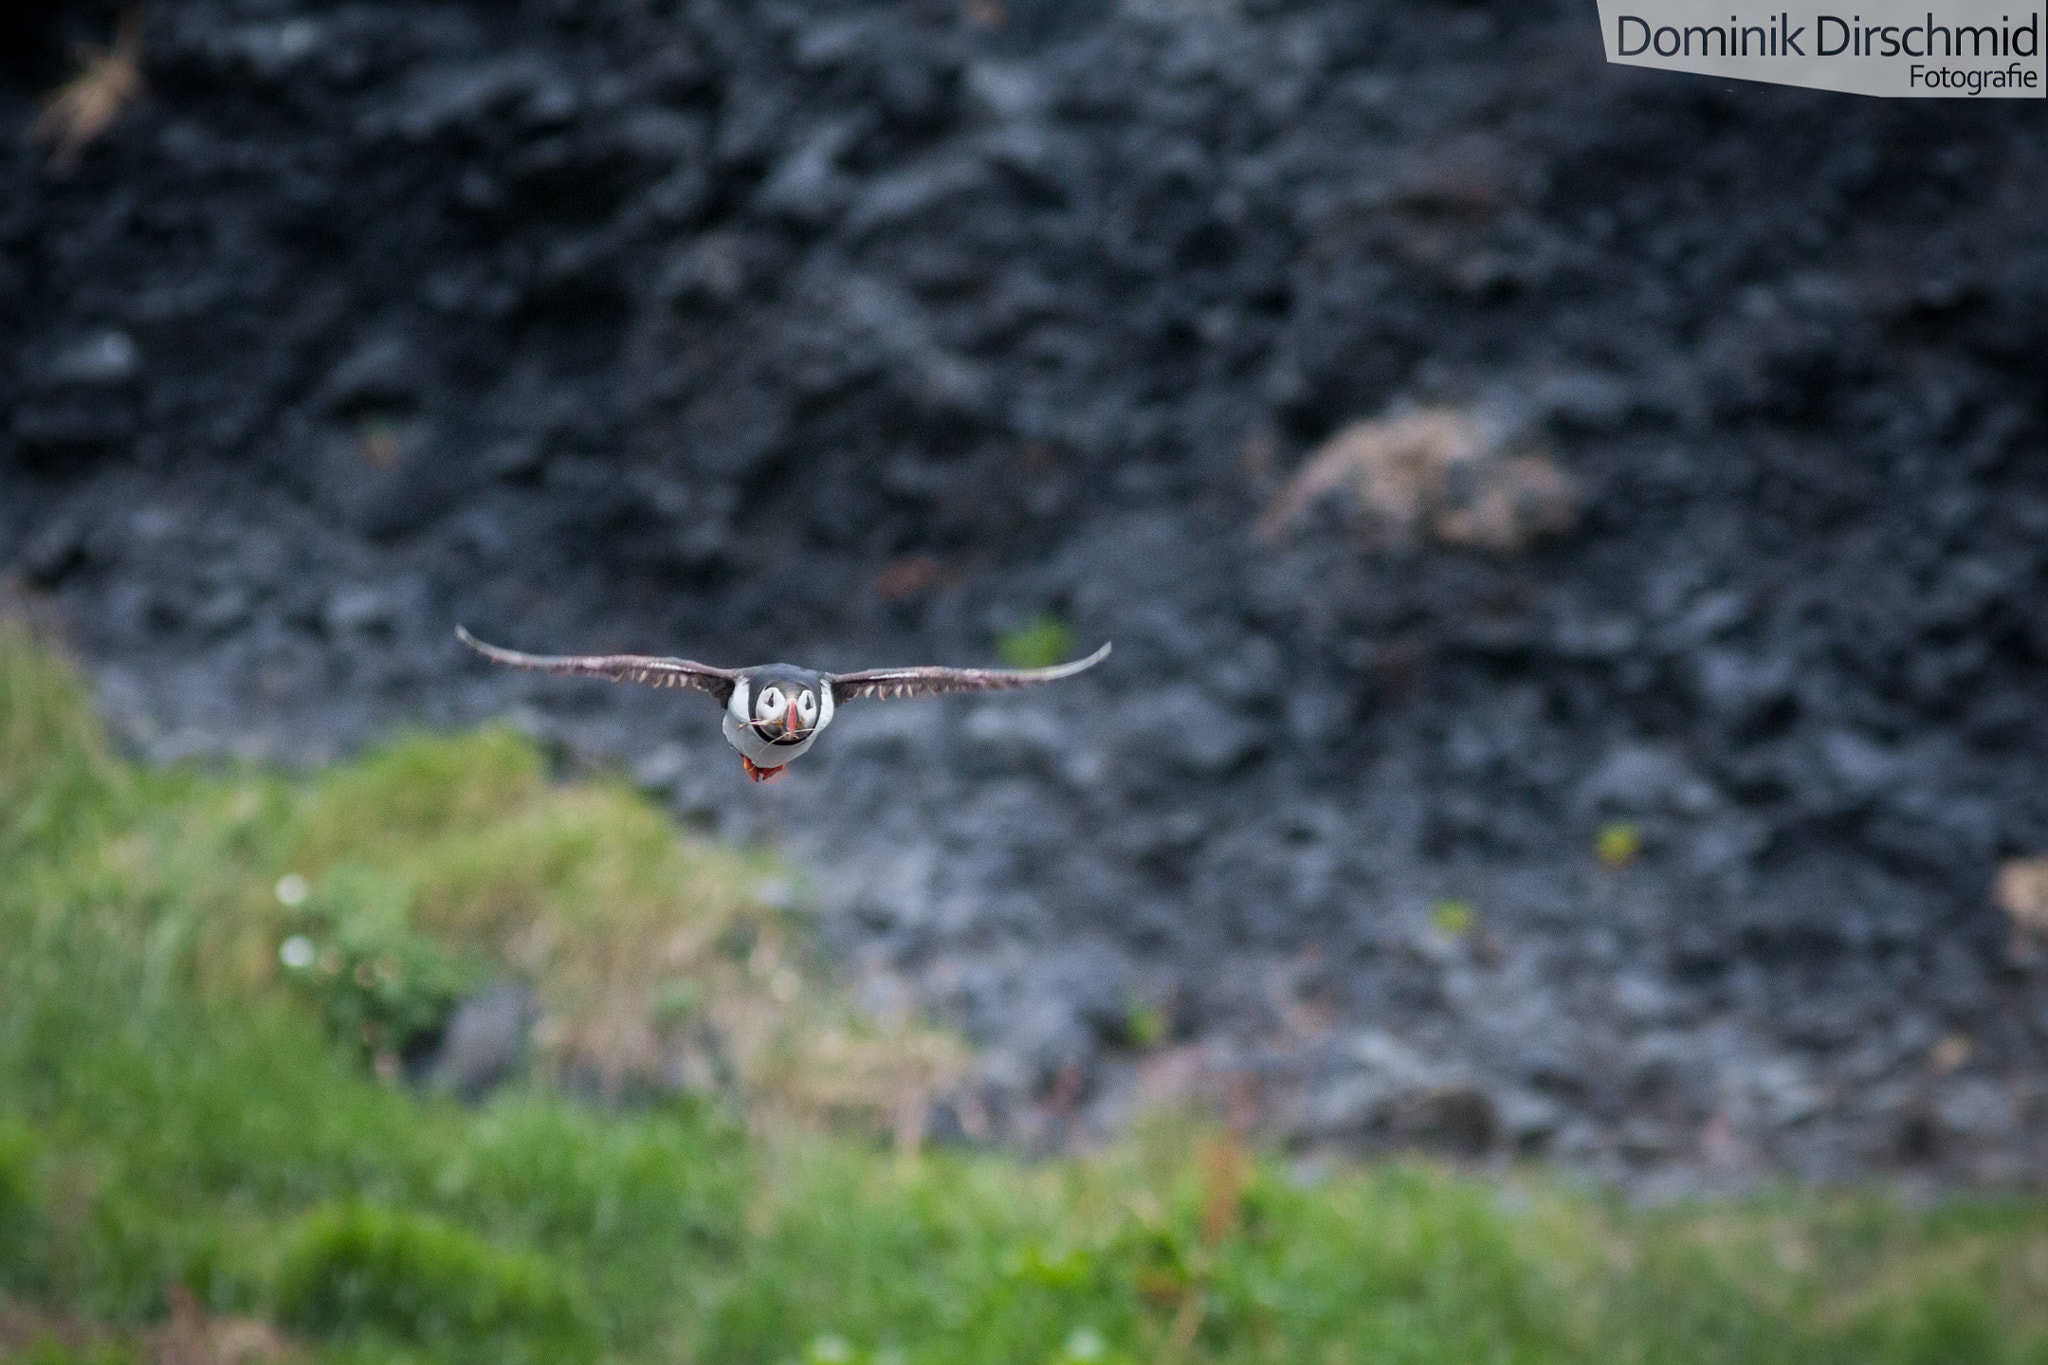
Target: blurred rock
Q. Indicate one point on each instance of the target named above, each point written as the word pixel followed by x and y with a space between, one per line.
pixel 484 1043
pixel 1640 779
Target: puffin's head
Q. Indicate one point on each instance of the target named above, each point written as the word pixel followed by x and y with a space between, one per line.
pixel 783 705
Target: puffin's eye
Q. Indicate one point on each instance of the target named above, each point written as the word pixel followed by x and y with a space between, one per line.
pixel 806 705
pixel 770 703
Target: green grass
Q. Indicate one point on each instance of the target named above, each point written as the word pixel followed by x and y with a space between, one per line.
pixel 194 1136
pixel 366 1271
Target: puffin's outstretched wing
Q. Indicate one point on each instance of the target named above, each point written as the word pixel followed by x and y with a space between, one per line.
pixel 644 669
pixel 931 682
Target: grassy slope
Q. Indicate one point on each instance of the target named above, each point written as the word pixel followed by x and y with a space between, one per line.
pixel 179 1112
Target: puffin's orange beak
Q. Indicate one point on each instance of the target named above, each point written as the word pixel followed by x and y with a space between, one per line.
pixel 789 726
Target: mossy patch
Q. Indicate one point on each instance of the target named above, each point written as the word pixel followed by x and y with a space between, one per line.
pixel 365 1271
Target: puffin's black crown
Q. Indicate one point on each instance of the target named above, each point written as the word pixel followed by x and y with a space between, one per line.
pixel 784 675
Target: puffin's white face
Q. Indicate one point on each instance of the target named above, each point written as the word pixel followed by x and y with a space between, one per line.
pixel 781 710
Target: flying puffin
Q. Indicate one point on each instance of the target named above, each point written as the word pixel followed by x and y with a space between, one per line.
pixel 775 712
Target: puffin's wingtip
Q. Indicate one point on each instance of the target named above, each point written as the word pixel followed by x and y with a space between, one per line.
pixel 1093 659
pixel 1068 670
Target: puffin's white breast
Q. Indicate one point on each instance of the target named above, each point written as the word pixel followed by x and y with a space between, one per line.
pixel 763 754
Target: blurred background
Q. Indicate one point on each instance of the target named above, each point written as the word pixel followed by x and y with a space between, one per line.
pixel 1575 538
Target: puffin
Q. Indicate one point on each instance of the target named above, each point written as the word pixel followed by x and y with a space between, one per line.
pixel 774 713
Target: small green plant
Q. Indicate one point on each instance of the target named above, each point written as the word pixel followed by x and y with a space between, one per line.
pixel 379 984
pixel 1617 844
pixel 1145 1024
pixel 1040 642
pixel 1452 918
pixel 355 1271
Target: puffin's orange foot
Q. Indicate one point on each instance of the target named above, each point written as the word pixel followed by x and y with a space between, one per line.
pixel 761 774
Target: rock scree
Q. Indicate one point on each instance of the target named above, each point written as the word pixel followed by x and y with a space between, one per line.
pixel 1661 839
